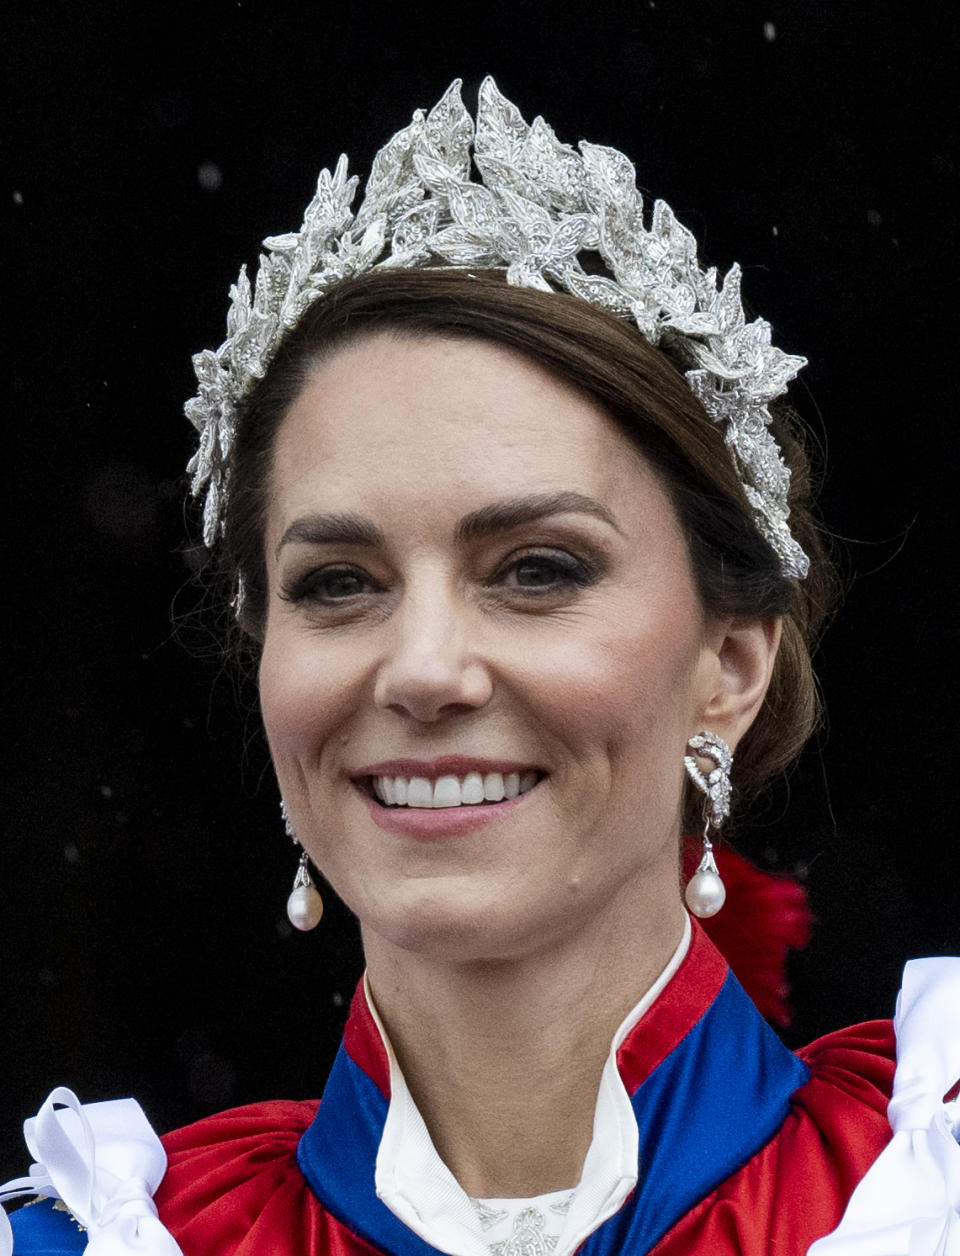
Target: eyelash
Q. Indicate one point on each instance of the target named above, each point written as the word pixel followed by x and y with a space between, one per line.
pixel 307 588
pixel 569 572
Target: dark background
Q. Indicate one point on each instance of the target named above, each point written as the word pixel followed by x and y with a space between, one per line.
pixel 150 147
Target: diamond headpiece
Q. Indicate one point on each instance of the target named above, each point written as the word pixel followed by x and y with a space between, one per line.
pixel 538 203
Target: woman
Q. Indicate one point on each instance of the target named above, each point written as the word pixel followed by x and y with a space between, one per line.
pixel 527 564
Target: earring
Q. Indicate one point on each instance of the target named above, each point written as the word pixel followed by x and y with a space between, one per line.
pixel 705 892
pixel 304 906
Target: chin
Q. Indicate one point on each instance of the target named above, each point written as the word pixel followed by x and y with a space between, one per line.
pixel 472 929
pixel 453 926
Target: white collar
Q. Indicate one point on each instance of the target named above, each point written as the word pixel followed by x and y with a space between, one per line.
pixel 420 1190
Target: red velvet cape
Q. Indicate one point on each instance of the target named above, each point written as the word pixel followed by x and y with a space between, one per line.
pixel 234 1186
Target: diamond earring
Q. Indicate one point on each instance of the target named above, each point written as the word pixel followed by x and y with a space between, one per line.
pixel 304 906
pixel 705 892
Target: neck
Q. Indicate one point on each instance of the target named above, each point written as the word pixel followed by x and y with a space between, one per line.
pixel 503 1057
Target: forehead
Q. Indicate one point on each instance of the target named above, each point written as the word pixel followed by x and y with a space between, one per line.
pixel 390 422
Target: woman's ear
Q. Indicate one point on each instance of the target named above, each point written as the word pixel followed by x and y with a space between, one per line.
pixel 746 650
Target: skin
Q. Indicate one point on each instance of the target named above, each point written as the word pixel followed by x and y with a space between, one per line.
pixel 572 643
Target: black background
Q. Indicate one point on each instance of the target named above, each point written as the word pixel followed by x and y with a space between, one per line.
pixel 150 147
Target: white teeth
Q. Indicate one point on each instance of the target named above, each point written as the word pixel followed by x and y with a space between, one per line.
pixel 419 792
pixel 471 791
pixel 452 791
pixel 493 787
pixel 446 792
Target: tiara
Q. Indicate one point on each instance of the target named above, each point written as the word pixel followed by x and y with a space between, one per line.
pixel 535 206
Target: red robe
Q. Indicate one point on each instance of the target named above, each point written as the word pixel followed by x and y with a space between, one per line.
pixel 745 1148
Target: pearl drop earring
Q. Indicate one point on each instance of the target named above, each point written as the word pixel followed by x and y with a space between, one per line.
pixel 705 893
pixel 304 906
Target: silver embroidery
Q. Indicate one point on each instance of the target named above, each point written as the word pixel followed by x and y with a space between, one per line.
pixel 528 1238
pixel 486 1215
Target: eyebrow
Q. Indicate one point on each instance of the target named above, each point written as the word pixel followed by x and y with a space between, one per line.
pixel 502 516
pixel 332 529
pixel 351 529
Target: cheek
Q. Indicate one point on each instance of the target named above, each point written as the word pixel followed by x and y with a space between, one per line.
pixel 622 703
pixel 614 687
pixel 302 698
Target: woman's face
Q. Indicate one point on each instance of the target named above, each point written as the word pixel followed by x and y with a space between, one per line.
pixel 474 575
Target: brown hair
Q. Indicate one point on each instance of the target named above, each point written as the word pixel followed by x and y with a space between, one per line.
pixel 643 388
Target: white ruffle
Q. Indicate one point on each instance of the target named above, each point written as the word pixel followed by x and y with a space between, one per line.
pixel 908 1204
pixel 105 1162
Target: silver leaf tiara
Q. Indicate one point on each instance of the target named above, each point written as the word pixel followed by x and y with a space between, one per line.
pixel 537 205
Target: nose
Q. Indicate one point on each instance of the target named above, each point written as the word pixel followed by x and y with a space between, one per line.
pixel 431 668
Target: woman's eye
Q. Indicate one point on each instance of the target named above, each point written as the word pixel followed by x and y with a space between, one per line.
pixel 330 585
pixel 545 573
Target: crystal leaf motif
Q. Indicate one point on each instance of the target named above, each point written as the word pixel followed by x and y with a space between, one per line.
pixel 504 194
pixel 715 784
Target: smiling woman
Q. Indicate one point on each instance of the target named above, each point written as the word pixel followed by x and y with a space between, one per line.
pixel 568 644
pixel 639 391
pixel 532 583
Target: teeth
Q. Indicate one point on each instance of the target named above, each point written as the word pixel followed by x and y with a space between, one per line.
pixel 471 791
pixel 493 787
pixel 446 792
pixel 452 791
pixel 419 792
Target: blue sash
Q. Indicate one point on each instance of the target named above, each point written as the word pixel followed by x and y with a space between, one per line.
pixel 713 1102
pixel 39 1230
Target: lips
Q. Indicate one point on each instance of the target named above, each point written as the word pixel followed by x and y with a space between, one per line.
pixel 454 790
